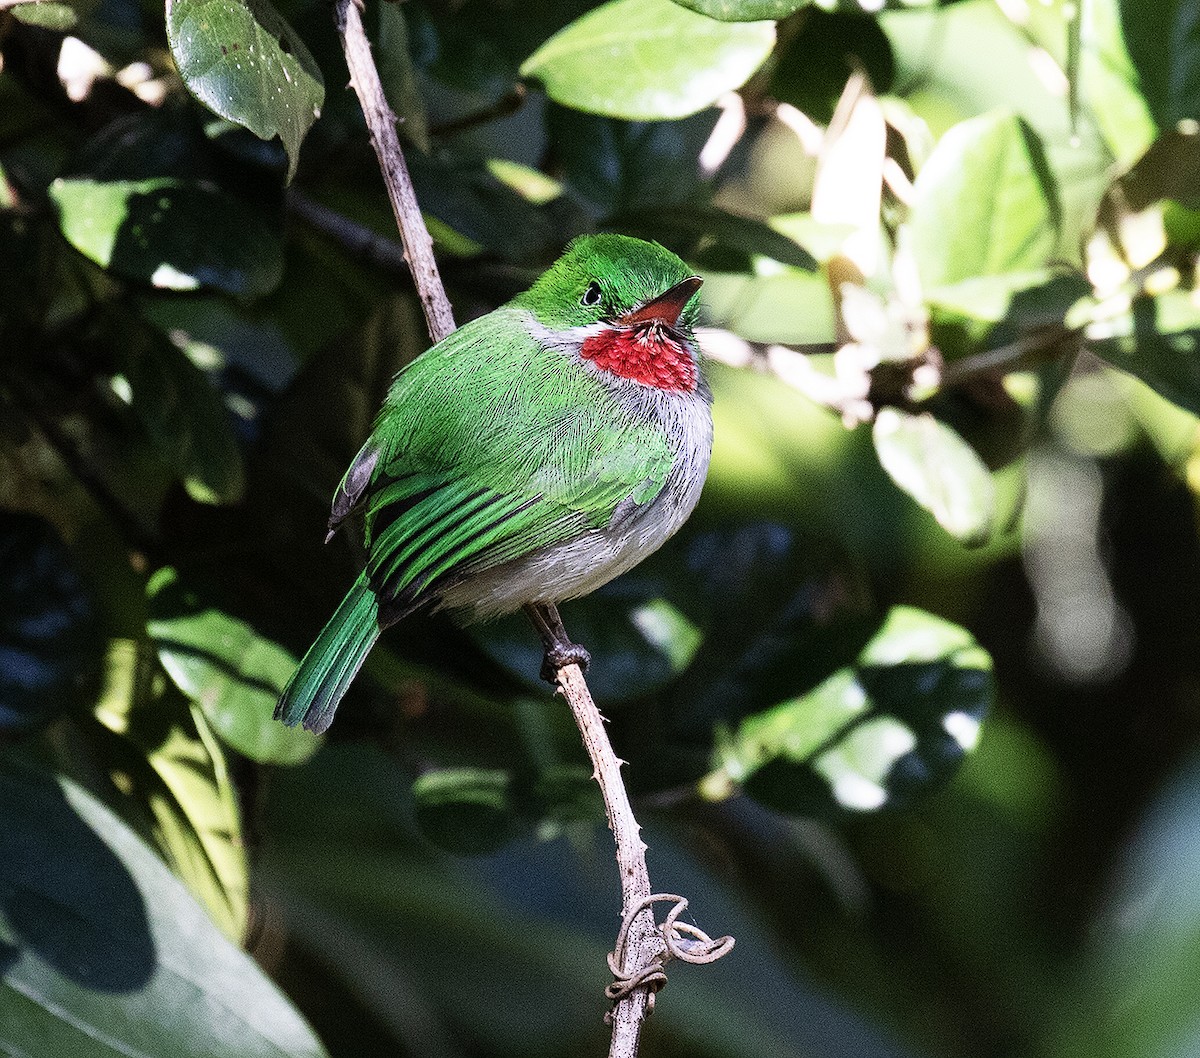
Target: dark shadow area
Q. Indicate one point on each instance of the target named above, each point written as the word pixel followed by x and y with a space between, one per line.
pixel 64 894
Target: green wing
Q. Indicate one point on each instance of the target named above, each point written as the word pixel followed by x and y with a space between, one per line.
pixel 487 448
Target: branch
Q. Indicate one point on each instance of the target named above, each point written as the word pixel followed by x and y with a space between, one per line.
pixel 381 122
pixel 643 944
pixel 642 948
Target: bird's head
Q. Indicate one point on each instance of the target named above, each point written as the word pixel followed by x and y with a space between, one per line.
pixel 628 306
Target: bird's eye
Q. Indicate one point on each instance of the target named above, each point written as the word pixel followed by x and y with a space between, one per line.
pixel 592 295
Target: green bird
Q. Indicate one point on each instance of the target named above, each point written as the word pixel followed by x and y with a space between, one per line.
pixel 530 457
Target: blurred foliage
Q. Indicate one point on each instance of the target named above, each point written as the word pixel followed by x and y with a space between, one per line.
pixel 911 706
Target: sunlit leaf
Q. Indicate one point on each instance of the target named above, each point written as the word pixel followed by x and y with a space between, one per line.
pixel 647 59
pixel 1163 40
pixel 175 234
pixel 793 306
pixel 932 463
pixel 1158 340
pixel 178 408
pixel 466 810
pixel 50 640
pixel 895 722
pixel 244 62
pixel 103 952
pixel 744 10
pixel 170 775
pixel 48 15
pixel 231 672
pixel 985 203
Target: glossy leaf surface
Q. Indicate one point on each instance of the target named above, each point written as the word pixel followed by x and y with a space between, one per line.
pixel 244 62
pixel 647 60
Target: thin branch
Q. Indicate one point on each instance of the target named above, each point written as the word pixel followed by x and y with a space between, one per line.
pixel 643 946
pixel 507 104
pixel 643 943
pixel 364 243
pixel 381 122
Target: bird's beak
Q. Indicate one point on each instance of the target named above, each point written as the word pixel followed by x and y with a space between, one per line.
pixel 666 307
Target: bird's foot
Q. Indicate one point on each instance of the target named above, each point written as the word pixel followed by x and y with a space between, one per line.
pixel 560 655
pixel 559 650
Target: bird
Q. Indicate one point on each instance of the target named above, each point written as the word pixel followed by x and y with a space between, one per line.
pixel 531 456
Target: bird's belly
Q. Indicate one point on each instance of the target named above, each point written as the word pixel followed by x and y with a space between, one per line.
pixel 582 564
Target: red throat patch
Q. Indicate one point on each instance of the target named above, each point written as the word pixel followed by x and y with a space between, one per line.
pixel 644 354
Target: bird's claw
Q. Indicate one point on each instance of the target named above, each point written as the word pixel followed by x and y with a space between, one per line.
pixel 559 656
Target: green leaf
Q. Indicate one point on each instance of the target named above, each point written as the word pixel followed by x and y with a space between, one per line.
pixel 985 203
pixel 744 10
pixel 639 640
pixel 892 724
pixel 467 811
pixel 813 67
pixel 48 15
pixel 50 640
pixel 936 467
pixel 397 75
pixel 793 307
pixel 177 406
pixel 1163 40
pixel 244 62
pixel 103 952
pixel 647 60
pixel 692 232
pixel 1109 83
pixel 1158 340
pixel 175 234
pixel 231 672
pixel 169 775
pixel 630 165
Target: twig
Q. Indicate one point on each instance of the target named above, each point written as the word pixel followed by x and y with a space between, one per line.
pixel 363 242
pixel 642 946
pixel 507 104
pixel 643 943
pixel 381 122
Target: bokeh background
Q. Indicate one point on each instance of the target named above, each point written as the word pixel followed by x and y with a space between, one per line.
pixel 910 706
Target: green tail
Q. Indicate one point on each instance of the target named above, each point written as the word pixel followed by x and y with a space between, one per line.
pixel 332 662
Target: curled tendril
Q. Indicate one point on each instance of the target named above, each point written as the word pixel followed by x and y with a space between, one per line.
pixel 681 940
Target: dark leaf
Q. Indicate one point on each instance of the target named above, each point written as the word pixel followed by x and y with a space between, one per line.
pixel 812 70
pixel 694 232
pixel 1163 41
pixel 467 811
pixel 102 950
pixel 50 640
pixel 631 165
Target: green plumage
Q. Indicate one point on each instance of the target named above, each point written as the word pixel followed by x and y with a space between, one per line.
pixel 325 672
pixel 491 446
